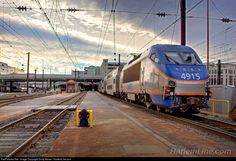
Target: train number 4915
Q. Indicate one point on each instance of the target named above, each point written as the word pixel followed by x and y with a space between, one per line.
pixel 191 76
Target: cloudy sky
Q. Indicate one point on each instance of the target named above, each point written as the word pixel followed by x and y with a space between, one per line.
pixel 86 37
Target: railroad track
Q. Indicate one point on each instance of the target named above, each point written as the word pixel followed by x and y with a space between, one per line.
pixel 17 137
pixel 11 100
pixel 219 128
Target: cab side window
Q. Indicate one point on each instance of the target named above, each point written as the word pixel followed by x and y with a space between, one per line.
pixel 154 58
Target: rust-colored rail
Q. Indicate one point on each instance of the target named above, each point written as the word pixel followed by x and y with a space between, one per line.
pixel 51 119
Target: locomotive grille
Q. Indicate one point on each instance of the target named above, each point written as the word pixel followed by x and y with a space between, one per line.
pixel 188 88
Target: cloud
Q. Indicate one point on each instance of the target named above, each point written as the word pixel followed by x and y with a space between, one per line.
pixel 80 31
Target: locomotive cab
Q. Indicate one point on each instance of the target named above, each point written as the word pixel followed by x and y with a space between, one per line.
pixel 185 88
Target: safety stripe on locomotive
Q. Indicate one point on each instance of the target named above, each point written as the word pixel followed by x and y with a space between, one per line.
pixel 180 93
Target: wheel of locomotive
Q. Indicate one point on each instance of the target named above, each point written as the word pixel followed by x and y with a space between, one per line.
pixel 126 97
pixel 123 96
pixel 159 109
pixel 147 101
pixel 141 98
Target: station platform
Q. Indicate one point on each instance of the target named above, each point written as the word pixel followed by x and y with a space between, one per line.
pixel 113 134
pixel 123 131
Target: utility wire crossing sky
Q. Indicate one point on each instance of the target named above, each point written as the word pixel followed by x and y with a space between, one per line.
pixel 62 35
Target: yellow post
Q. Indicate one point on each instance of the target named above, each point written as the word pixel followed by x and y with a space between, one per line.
pixel 213 106
pixel 77 117
pixel 228 106
pixel 90 118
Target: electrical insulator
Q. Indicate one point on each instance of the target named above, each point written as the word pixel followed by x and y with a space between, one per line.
pixel 226 20
pixel 161 14
pixel 71 9
pixel 22 8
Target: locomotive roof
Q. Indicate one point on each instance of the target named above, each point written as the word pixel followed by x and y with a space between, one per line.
pixel 169 47
pixel 162 47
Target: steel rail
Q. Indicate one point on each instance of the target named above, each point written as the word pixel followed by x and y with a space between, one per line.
pixel 25 145
pixel 11 100
pixel 217 130
pixel 3 128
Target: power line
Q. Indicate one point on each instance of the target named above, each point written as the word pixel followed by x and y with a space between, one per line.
pixel 202 42
pixel 18 34
pixel 169 26
pixel 35 33
pixel 217 8
pixel 113 9
pixel 105 33
pixel 175 23
pixel 48 20
pixel 102 26
pixel 114 32
pixel 160 14
pixel 153 5
pixel 65 30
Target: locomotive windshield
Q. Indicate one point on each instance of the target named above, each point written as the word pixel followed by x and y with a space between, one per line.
pixel 188 58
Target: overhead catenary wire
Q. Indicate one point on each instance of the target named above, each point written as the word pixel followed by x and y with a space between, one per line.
pixel 35 33
pixel 100 48
pixel 16 34
pixel 169 26
pixel 68 37
pixel 58 9
pixel 113 9
pixel 175 24
pixel 64 27
pixel 153 5
pixel 114 32
pixel 55 32
pixel 6 55
pixel 217 8
pixel 101 26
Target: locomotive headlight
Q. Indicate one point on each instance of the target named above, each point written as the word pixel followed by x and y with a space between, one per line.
pixel 171 93
pixel 171 83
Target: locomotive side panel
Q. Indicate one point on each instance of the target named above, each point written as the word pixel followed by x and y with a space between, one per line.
pixel 131 78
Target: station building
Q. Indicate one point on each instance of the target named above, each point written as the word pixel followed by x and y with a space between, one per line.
pixel 228 74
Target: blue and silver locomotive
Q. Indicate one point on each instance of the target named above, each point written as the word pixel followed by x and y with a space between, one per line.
pixel 171 77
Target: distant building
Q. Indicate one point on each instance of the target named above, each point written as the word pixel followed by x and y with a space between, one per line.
pixel 228 74
pixel 102 70
pixel 76 73
pixel 106 67
pixel 92 70
pixel 5 69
